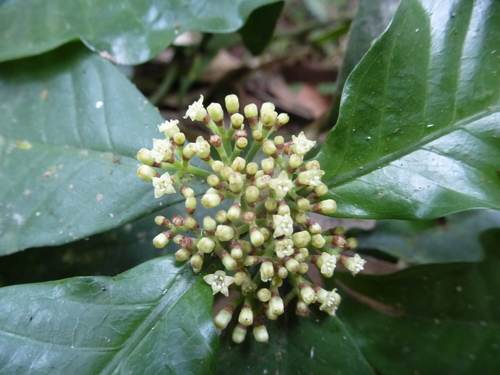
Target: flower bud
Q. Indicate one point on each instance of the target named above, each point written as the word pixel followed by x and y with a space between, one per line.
pixel 267 164
pixel 187 191
pixel 276 305
pixel 303 268
pixel 252 168
pixel 179 139
pixel 276 281
pixel 302 309
pixel 182 255
pixel 267 106
pixel 190 222
pixel 314 227
pixel 146 173
pixel 282 272
pixel 321 189
pixel 241 143
pixel 251 111
pixel 265 232
pixel 239 334
pixel 269 148
pixel 191 203
pixel 209 224
pixel 235 182
pixel 160 241
pixel 301 239
pixel 248 217
pixel 313 165
pixel 301 218
pixel 256 237
pixel 210 200
pixel 162 221
pixel 215 111
pixel 236 253
pixel 262 182
pixel 221 216
pixel 292 265
pixel 226 172
pixel 246 316
pixel 268 118
pixel 303 204
pixel 260 333
pixel 257 135
pixel 264 294
pixel 295 161
pixel 215 140
pixel 283 118
pixel 205 245
pixel 217 166
pixel 327 206
pixel 236 121
pixel 269 315
pixel 318 241
pixel 229 262
pixel 234 212
pixel 238 164
pixel 196 263
pixel 213 180
pixel 188 152
pixel 266 271
pixel 283 209
pixel 352 243
pixel 232 103
pixel 223 317
pixel 307 294
pixel 239 277
pixel 224 233
pixel 271 204
pixel 144 156
pixel 251 194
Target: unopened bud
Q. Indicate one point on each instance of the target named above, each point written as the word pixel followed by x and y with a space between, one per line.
pixel 234 212
pixel 224 233
pixel 160 241
pixel 303 204
pixel 271 204
pixel 318 241
pixel 223 317
pixel 229 262
pixel 236 120
pixel 267 106
pixel 239 334
pixel 307 294
pixel 295 161
pixel 213 180
pixel 205 245
pixel 241 143
pixel 252 168
pixel 264 294
pixel 283 118
pixel 327 206
pixel 292 265
pixel 266 271
pixel 210 200
pixel 209 224
pixel 276 305
pixel 352 243
pixel 179 139
pixel 260 333
pixel 196 263
pixel 301 239
pixel 221 216
pixel 251 194
pixel 217 166
pixel 321 189
pixel 256 237
pixel 146 173
pixel 251 111
pixel 246 316
pixel 238 164
pixel 182 255
pixel 144 156
pixel 269 148
pixel 267 164
pixel 215 111
pixel 232 103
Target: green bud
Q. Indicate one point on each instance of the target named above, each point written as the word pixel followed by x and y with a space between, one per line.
pixel 223 317
pixel 191 203
pixel 283 209
pixel 256 237
pixel 205 245
pixel 283 118
pixel 241 143
pixel 239 334
pixel 300 217
pixel 261 182
pixel 301 239
pixel 224 233
pixel 215 111
pixel 260 333
pixel 210 200
pixel 232 103
pixel 229 262
pixel 318 241
pixel 196 263
pixel 238 164
pixel 160 241
pixel 213 180
pixel 217 166
pixel 327 206
pixel 295 161
pixel 282 272
pixel 271 204
pixel 209 223
pixel 144 156
pixel 187 191
pixel 160 220
pixel 252 168
pixel 352 243
pixel 246 316
pixel 236 120
pixel 321 189
pixel 146 173
pixel 234 212
pixel 182 255
pixel 313 165
pixel 303 268
pixel 267 164
pixel 339 231
pixel 276 305
pixel 221 216
pixel 266 270
pixel 264 294
pixel 226 172
pixel 265 232
pixel 307 294
pixel 303 204
pixel 251 111
pixel 269 148
pixel 179 139
pixel 292 265
pixel 190 222
pixel 267 106
pixel 268 118
pixel 315 228
pixel 235 182
pixel 188 152
pixel 257 135
pixel 251 194
pixel 236 253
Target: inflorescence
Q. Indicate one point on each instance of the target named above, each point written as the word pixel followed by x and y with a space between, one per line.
pixel 265 241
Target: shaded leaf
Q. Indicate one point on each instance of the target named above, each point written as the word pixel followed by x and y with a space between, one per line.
pixel 155 318
pixel 452 239
pixel 126 32
pixel 318 344
pixel 446 321
pixel 417 135
pixel 259 28
pixel 71 125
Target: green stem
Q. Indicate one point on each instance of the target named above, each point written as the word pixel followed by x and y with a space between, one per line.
pixel 166 84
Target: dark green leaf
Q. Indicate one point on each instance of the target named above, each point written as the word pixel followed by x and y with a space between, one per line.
pixel 432 319
pixel 155 318
pixel 129 32
pixel 418 133
pixel 451 239
pixel 259 28
pixel 318 344
pixel 71 125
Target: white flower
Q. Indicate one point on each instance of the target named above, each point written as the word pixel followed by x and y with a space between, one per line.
pixel 301 145
pixel 281 185
pixel 329 263
pixel 161 149
pixel 201 147
pixel 283 224
pixel 354 264
pixel 163 185
pixel 311 178
pixel 196 111
pixel 331 302
pixel 284 248
pixel 169 128
pixel 219 282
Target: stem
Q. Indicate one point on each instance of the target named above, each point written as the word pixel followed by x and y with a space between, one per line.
pixel 166 84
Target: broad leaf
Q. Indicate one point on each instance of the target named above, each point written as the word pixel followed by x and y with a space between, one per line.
pixel 318 344
pixel 452 239
pixel 128 33
pixel 155 318
pixel 71 125
pixel 433 319
pixel 418 133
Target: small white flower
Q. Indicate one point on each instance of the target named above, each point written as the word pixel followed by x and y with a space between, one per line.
pixel 354 264
pixel 311 178
pixel 281 185
pixel 283 224
pixel 163 185
pixel 201 147
pixel 331 302
pixel 329 263
pixel 169 128
pixel 219 282
pixel 161 148
pixel 196 111
pixel 301 145
pixel 284 248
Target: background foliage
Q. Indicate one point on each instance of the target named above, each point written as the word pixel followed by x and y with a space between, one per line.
pixel 416 138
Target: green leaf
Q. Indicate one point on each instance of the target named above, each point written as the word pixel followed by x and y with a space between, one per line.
pixel 128 33
pixel 259 28
pixel 318 344
pixel 432 319
pixel 418 133
pixel 451 239
pixel 155 318
pixel 71 125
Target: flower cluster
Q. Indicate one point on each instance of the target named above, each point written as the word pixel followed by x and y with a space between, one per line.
pixel 265 239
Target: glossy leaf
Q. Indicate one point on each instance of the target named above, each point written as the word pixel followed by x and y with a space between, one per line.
pixel 451 239
pixel 318 344
pixel 155 318
pixel 418 133
pixel 71 125
pixel 128 33
pixel 259 28
pixel 433 319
